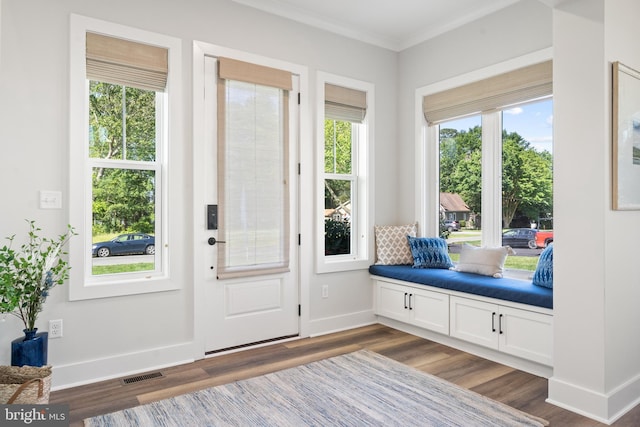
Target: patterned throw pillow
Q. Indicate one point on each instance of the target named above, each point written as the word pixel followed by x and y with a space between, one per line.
pixel 484 261
pixel 429 252
pixel 392 247
pixel 543 276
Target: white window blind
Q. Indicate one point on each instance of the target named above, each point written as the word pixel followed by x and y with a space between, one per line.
pixel 253 187
pixel 127 63
pixel 497 92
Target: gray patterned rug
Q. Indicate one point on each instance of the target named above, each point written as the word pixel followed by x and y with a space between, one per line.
pixel 356 389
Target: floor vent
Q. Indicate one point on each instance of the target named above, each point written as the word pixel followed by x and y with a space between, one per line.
pixel 252 344
pixel 144 377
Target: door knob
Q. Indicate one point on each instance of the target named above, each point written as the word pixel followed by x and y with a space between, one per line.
pixel 212 241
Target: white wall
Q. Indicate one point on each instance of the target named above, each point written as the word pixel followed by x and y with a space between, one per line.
pixel 597 347
pixel 114 336
pixel 622 342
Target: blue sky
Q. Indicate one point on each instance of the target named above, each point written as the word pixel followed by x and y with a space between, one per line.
pixel 534 122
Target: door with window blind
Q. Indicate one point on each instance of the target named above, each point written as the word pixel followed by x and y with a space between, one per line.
pixel 253 295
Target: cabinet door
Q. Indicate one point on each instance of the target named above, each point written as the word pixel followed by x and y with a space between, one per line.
pixel 430 310
pixel 527 334
pixel 474 321
pixel 393 301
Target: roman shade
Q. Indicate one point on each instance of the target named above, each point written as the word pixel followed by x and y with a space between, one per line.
pixel 127 63
pixel 497 92
pixel 232 69
pixel 253 184
pixel 341 103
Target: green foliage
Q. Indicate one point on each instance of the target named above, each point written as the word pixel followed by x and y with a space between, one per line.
pixel 444 232
pixel 27 274
pixel 337 237
pixel 122 268
pixel 337 146
pixel 123 200
pixel 527 180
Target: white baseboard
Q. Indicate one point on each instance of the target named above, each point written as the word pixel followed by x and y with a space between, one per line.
pixel 603 407
pixel 329 325
pixel 121 365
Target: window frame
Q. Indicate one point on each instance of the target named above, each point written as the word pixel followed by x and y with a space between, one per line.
pixel 82 283
pixel 361 255
pixel 427 153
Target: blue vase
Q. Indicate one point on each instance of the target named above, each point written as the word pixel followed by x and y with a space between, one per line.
pixel 30 350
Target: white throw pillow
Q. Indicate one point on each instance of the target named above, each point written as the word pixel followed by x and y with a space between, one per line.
pixel 392 246
pixel 485 261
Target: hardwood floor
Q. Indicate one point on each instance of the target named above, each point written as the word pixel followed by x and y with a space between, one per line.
pixel 515 388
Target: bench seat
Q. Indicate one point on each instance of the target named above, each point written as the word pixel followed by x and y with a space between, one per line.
pixel 506 289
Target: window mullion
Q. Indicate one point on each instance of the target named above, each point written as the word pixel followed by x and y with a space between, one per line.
pixel 492 179
pixel 124 122
pixel 123 164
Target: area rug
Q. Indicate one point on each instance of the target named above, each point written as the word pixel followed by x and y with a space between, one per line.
pixel 356 389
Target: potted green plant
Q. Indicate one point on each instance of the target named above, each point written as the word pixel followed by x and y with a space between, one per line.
pixel 27 275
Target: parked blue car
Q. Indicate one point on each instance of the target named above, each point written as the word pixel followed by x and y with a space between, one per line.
pixel 126 244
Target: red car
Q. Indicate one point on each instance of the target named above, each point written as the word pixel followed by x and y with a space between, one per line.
pixel 527 238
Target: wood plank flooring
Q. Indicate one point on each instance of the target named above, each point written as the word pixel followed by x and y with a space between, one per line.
pixel 515 388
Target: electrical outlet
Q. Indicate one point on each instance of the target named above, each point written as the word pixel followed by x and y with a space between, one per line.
pixel 55 328
pixel 325 291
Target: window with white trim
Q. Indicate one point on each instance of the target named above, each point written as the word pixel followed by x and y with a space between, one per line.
pixel 119 108
pixel 345 118
pixel 495 167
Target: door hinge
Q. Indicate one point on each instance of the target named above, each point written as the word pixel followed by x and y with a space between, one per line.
pixel 299 310
pixel 298 98
pixel 299 168
pixel 299 239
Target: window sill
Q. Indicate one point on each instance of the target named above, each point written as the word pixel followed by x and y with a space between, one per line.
pixel 84 291
pixel 326 265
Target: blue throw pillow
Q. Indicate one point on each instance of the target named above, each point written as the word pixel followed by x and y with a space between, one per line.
pixel 429 252
pixel 543 276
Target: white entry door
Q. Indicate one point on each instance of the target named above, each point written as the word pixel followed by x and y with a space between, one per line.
pixel 251 290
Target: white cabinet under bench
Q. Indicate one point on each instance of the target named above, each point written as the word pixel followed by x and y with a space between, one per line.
pixel 517 334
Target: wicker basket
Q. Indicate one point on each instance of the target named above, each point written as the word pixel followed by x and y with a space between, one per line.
pixel 25 385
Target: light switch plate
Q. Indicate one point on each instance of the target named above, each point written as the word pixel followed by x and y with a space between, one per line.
pixel 50 199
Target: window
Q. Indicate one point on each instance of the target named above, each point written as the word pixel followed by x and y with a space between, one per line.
pixel 494 168
pixel 345 117
pixel 120 102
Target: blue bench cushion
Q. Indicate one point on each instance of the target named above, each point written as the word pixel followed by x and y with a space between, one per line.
pixel 506 289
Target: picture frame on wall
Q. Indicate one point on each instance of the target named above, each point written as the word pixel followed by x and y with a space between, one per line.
pixel 626 137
